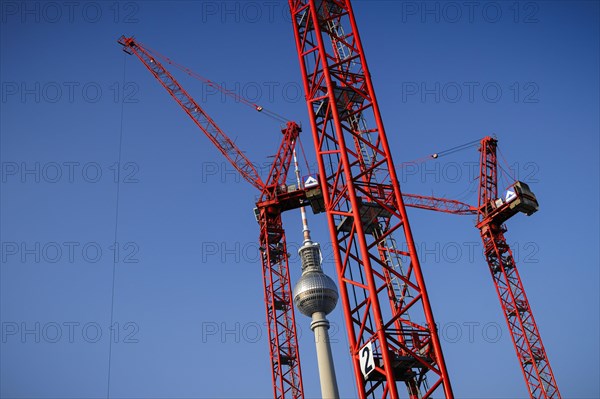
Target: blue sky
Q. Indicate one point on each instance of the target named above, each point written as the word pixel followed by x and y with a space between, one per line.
pixel 188 315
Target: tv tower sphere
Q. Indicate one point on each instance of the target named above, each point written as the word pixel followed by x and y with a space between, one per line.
pixel 315 291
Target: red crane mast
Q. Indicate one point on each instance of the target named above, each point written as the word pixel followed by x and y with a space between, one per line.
pixel 492 212
pixel 380 285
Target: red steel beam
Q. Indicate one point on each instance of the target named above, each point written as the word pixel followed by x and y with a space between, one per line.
pixel 382 289
pixel 523 329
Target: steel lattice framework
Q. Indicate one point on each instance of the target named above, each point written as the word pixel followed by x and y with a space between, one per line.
pixel 283 343
pixel 519 317
pixel 492 212
pixel 388 315
pixel 379 283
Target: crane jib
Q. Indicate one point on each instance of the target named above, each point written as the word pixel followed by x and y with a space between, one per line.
pixel 223 143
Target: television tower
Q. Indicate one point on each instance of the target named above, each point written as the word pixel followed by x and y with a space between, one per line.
pixel 316 295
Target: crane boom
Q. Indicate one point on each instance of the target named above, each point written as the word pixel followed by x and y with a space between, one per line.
pixel 225 145
pixel 274 199
pixel 438 204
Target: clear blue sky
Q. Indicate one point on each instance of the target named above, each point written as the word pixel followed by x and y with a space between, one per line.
pixel 188 318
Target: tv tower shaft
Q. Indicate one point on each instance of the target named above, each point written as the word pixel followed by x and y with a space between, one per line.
pixel 315 295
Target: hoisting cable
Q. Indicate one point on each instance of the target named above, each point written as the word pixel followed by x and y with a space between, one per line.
pixel 304 155
pixel 237 97
pixel 456 149
pixel 116 232
pixel 507 172
pixel 441 153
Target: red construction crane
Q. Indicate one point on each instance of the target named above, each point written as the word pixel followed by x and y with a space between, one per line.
pixel 388 315
pixel 416 348
pixel 274 199
pixel 492 211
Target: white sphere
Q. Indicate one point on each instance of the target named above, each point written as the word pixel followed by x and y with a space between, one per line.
pixel 315 292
